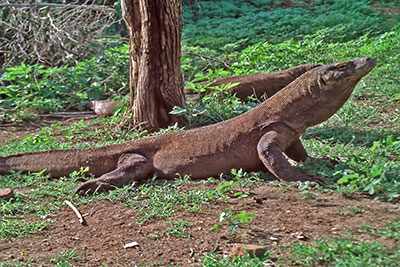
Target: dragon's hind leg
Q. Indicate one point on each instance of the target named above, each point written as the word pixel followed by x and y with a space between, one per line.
pixel 131 167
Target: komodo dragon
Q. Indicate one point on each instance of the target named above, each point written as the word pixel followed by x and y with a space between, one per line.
pixel 257 138
pixel 259 84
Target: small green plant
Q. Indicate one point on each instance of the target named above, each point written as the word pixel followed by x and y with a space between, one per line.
pixel 227 189
pixel 233 220
pixel 351 210
pixel 391 230
pixel 307 190
pixel 178 228
pixel 65 258
pixel 153 236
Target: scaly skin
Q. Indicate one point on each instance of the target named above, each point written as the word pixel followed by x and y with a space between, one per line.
pixel 254 140
pixel 259 84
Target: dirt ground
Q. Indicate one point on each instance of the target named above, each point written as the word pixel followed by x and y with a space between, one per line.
pixel 18 131
pixel 280 213
pixel 283 216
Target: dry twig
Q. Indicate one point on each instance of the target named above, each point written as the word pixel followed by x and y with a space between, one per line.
pixel 52 34
pixel 78 214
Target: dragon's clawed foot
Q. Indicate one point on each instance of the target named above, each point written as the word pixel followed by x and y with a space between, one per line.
pixel 94 186
pixel 312 179
pixel 324 160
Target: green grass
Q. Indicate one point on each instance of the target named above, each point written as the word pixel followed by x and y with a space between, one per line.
pixel 158 200
pixel 336 251
pixel 39 197
pixel 343 252
pixel 215 260
pixel 327 252
pixel 63 259
pixel 43 196
pixel 20 228
pixel 178 228
pixel 19 264
pixel 391 230
pixel 80 134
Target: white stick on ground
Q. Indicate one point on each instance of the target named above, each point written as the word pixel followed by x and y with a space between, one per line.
pixel 78 214
pixel 131 245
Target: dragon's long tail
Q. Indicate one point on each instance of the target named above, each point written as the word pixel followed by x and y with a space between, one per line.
pixel 59 163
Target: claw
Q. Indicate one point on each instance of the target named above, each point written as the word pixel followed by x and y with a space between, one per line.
pixel 314 180
pixel 311 183
pixel 324 159
pixel 300 183
pixel 93 187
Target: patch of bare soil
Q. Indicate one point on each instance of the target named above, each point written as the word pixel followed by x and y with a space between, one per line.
pixel 18 131
pixel 288 3
pixel 386 108
pixel 387 10
pixel 281 217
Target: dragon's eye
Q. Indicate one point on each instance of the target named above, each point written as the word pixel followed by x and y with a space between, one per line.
pixel 341 66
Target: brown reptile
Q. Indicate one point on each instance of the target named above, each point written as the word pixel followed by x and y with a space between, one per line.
pixel 259 84
pixel 254 140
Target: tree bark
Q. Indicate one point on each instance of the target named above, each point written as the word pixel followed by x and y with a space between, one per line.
pixel 156 83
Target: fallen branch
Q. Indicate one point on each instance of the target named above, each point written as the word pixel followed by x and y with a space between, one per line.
pixel 69 115
pixel 78 214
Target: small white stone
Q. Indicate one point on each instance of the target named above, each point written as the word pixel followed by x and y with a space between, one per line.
pixel 131 245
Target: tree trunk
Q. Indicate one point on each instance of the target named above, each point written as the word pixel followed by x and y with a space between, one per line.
pixel 156 83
